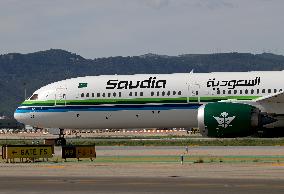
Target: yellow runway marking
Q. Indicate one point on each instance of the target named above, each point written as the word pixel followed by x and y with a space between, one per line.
pixel 278 164
pixel 55 167
pixel 270 164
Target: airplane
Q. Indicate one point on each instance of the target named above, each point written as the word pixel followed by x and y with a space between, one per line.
pixel 220 104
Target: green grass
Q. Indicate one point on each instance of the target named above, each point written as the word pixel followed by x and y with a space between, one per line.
pixel 158 142
pixel 188 159
pixel 170 159
pixel 20 141
pixel 181 142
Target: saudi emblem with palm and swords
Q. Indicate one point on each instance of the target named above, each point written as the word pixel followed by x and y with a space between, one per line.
pixel 224 120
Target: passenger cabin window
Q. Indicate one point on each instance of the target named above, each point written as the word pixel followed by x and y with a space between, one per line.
pixel 269 91
pixel 179 93
pixel 152 93
pixel 257 91
pixel 82 95
pixel 169 93
pixel 235 91
pixel 263 91
pixel 280 90
pixel 174 92
pixel 229 91
pixel 252 91
pixel 141 93
pixel 275 90
pixel 246 91
pixel 87 95
pixel 98 95
pixel 241 91
pixel 34 97
pixel 218 91
pixel 93 95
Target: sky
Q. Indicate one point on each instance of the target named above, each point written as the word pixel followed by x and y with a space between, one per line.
pixel 104 28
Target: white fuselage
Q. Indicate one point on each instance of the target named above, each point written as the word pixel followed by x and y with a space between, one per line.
pixel 143 100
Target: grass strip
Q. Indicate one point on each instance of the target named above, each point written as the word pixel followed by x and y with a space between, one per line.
pixel 157 142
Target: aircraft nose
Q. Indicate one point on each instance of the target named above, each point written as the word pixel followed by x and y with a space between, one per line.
pixel 20 117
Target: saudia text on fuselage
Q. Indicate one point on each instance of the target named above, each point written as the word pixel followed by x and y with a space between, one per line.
pixel 152 82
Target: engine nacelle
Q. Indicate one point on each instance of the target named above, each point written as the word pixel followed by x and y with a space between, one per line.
pixel 226 119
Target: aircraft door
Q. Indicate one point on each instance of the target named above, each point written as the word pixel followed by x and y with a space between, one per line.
pixel 60 96
pixel 194 92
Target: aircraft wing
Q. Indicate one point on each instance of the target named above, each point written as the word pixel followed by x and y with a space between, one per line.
pixel 272 98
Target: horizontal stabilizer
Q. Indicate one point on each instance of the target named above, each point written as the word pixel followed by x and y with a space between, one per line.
pixel 272 98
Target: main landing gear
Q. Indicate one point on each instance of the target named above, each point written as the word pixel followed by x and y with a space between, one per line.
pixel 61 141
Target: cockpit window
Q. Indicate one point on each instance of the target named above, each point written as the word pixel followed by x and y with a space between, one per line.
pixel 34 97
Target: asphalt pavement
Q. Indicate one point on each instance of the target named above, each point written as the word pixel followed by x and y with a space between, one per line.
pixel 106 185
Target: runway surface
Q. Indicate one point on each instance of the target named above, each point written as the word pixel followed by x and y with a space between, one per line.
pixel 106 185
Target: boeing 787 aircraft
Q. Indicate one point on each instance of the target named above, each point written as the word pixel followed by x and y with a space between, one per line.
pixel 225 104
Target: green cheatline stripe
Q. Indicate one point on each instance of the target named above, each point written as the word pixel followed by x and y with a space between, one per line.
pixel 106 101
pixel 218 98
pixel 136 100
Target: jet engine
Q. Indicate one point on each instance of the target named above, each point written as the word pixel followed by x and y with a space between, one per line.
pixel 227 119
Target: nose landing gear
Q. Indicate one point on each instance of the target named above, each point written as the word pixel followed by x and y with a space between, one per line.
pixel 61 141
